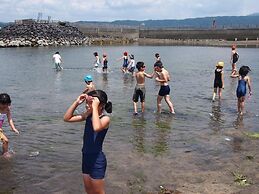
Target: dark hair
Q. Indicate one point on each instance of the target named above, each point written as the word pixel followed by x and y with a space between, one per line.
pixel 244 70
pixel 131 56
pixel 102 96
pixel 56 52
pixel 95 54
pixel 139 65
pixel 158 64
pixel 157 55
pixel 5 99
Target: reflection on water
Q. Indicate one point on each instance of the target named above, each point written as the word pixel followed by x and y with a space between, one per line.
pixel 216 116
pixel 139 129
pixel 238 123
pixel 152 137
pixel 162 133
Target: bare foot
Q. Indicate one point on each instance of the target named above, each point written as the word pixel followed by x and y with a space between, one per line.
pixel 7 155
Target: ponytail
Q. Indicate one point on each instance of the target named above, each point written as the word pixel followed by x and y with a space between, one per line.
pixel 108 107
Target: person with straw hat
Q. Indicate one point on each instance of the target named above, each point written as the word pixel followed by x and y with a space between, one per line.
pixel 218 80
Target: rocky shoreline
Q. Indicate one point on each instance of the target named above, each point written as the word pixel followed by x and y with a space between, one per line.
pixel 34 35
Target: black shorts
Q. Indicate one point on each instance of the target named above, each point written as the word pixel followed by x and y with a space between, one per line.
pixel 139 92
pixel 217 84
pixel 164 90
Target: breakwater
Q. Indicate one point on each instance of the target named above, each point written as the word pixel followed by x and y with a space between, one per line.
pixel 37 34
pixel 188 34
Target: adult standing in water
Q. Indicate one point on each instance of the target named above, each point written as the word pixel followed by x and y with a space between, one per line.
pixel 57 60
pixel 233 61
pixel 96 126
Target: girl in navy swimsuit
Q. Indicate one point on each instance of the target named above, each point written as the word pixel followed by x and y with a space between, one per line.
pixel 96 126
pixel 243 79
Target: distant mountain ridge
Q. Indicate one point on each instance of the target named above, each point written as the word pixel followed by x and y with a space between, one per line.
pixel 205 22
pixel 248 21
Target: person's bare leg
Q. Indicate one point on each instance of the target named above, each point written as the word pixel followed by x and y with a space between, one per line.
pixel 97 186
pixel 135 107
pixel 242 105
pixel 170 104
pixel 159 99
pixel 142 106
pixel 5 143
pixel 214 94
pixel 220 93
pixel 87 183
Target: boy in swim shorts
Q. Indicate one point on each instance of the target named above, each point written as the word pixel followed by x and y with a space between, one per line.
pixel 163 77
pixel 140 91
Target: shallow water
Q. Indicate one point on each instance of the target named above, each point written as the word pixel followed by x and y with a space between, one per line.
pixel 194 151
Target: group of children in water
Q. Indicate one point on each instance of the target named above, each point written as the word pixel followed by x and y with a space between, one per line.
pixel 243 80
pixel 97 106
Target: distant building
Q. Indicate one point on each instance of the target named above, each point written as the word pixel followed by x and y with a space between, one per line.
pixel 25 21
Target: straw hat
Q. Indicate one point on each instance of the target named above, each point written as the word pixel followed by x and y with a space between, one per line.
pixel 220 64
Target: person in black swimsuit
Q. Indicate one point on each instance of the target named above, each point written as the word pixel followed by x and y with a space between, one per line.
pixel 218 80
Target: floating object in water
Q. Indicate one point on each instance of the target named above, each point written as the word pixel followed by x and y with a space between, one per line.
pixel 33 154
pixel 227 139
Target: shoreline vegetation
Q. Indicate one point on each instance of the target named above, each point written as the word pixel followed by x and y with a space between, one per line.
pixel 62 34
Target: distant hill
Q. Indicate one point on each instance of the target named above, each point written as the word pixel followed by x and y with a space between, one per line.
pixel 2 24
pixel 254 14
pixel 206 22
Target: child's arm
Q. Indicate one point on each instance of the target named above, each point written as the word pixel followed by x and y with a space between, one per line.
pixel 98 124
pixel 249 85
pixel 222 79
pixel 149 75
pixel 161 80
pixel 11 123
pixel 69 115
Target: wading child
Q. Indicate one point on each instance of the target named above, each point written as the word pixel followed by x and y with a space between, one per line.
pixel 96 126
pixel 131 66
pixel 233 61
pixel 163 77
pixel 57 60
pixel 97 60
pixel 125 62
pixel 157 57
pixel 89 84
pixel 105 63
pixel 140 90
pixel 243 79
pixel 5 103
pixel 218 80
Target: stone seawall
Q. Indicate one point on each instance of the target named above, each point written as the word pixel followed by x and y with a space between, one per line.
pixel 20 35
pixel 185 34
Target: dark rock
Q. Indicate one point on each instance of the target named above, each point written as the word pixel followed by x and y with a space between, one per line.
pixel 37 34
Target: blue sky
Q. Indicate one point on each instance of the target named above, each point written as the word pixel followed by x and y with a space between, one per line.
pixel 109 10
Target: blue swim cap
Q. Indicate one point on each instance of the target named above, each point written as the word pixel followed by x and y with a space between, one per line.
pixel 88 78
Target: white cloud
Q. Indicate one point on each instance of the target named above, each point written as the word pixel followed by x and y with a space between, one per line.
pixel 108 10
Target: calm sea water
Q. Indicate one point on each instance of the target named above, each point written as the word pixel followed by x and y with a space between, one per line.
pixel 194 151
